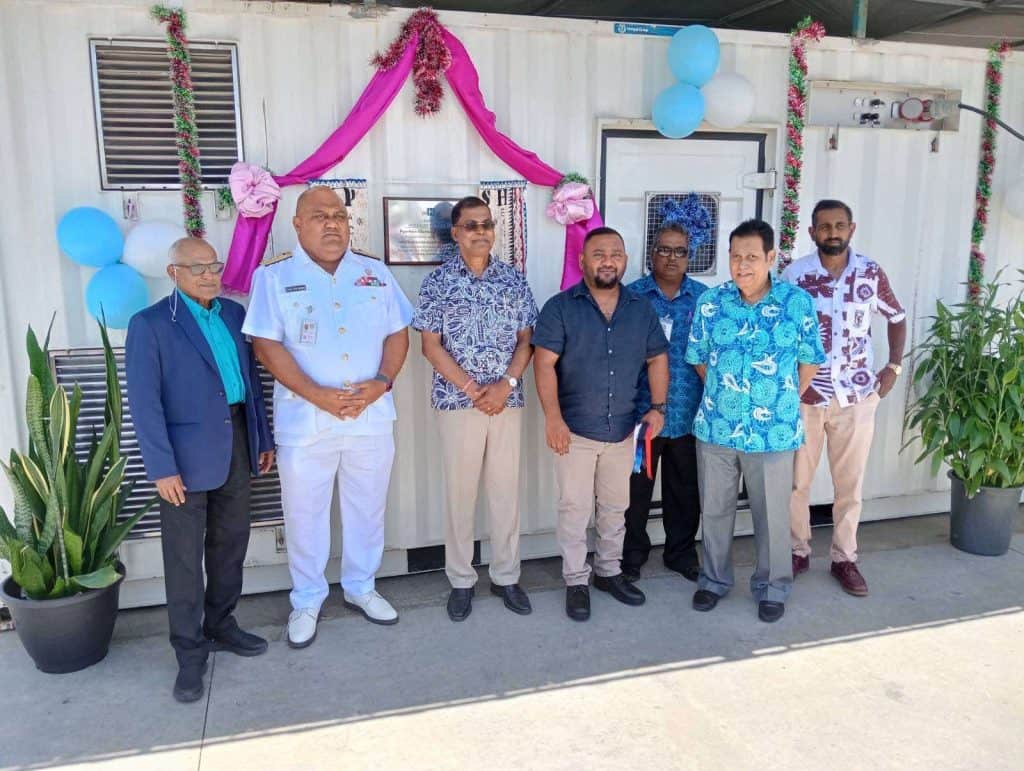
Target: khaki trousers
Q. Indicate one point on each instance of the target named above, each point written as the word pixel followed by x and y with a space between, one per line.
pixel 474 445
pixel 849 431
pixel 592 470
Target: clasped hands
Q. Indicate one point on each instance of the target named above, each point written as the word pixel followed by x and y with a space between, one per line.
pixel 489 399
pixel 349 402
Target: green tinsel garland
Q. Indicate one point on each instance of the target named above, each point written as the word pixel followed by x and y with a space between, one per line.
pixel 187 138
pixel 986 165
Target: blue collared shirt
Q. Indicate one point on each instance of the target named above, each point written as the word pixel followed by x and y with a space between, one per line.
pixel 222 344
pixel 599 361
pixel 684 385
pixel 479 319
pixel 751 389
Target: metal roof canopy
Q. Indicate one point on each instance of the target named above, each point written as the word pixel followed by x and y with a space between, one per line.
pixel 975 23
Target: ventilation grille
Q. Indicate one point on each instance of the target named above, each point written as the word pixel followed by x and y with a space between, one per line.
pixel 703 260
pixel 135 112
pixel 85 366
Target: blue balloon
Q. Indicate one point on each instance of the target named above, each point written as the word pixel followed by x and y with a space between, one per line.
pixel 693 55
pixel 116 293
pixel 678 110
pixel 90 237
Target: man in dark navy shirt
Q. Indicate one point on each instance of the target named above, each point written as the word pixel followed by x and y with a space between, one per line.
pixel 592 341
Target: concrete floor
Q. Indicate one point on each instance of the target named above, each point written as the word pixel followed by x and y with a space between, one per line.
pixel 925 673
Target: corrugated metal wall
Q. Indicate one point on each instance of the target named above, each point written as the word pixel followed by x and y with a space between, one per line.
pixel 548 81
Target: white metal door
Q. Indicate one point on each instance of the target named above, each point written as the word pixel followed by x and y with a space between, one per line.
pixel 637 163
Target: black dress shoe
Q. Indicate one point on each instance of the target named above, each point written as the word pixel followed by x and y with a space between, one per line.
pixel 619 588
pixel 769 611
pixel 515 598
pixel 577 602
pixel 631 572
pixel 460 604
pixel 239 642
pixel 703 600
pixel 188 686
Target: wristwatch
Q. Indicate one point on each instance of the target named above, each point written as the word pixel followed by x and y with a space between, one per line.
pixel 512 381
pixel 385 380
pixel 897 370
pixel 660 407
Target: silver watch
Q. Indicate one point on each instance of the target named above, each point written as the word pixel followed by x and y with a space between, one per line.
pixel 512 381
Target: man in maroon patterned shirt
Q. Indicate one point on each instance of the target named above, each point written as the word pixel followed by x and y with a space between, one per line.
pixel 839 407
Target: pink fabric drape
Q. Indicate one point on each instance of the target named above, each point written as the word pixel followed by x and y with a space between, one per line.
pixel 251 233
pixel 250 236
pixel 465 82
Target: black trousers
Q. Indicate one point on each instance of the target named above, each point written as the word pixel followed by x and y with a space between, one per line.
pixel 680 510
pixel 214 523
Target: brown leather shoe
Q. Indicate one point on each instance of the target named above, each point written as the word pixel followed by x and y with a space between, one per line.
pixel 850 579
pixel 800 564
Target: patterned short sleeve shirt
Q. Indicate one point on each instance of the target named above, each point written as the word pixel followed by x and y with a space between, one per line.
pixel 479 319
pixel 752 352
pixel 845 306
pixel 684 386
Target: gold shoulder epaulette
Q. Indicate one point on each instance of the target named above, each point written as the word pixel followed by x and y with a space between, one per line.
pixel 365 254
pixel 276 258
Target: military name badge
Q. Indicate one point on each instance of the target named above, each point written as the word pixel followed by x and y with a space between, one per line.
pixel 307 332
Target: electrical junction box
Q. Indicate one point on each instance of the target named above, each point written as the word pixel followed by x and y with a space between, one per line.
pixel 840 103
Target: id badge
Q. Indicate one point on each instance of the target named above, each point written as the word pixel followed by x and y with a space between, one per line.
pixel 307 332
pixel 666 327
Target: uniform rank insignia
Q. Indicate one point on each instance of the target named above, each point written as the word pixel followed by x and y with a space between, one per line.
pixel 277 258
pixel 368 279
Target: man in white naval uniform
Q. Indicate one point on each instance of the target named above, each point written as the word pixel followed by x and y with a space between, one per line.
pixel 331 326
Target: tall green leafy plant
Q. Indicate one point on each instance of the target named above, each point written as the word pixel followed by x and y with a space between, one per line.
pixel 969 373
pixel 66 526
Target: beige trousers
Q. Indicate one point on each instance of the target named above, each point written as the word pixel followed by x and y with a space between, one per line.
pixel 592 470
pixel 849 431
pixel 474 445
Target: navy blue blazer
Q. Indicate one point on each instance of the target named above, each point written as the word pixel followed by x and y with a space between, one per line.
pixel 181 416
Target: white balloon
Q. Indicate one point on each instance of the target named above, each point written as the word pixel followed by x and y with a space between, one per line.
pixel 1015 199
pixel 147 244
pixel 728 100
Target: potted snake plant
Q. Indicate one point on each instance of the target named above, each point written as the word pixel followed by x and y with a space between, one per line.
pixel 969 414
pixel 63 538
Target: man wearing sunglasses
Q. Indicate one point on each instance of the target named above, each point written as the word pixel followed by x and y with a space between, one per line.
pixel 476 317
pixel 674 297
pixel 197 406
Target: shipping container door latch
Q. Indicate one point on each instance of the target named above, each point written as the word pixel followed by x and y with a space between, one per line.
pixel 762 180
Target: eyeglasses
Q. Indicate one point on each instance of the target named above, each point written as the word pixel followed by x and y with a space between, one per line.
pixel 679 252
pixel 202 267
pixel 472 226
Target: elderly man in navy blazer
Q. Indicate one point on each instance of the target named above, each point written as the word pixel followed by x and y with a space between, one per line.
pixel 201 422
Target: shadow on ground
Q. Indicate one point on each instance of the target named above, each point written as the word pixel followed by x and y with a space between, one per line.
pixel 122 708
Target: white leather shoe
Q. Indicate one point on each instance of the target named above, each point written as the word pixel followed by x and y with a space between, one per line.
pixel 373 606
pixel 302 627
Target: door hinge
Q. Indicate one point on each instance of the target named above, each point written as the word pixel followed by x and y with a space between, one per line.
pixel 760 180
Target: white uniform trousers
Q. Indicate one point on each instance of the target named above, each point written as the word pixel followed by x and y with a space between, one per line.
pixel 361 466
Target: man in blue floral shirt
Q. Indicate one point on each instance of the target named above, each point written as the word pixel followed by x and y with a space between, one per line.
pixel 674 297
pixel 755 342
pixel 476 318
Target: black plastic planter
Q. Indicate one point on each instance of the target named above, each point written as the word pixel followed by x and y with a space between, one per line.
pixel 983 524
pixel 67 634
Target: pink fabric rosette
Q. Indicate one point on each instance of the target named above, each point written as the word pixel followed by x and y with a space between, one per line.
pixel 572 202
pixel 254 189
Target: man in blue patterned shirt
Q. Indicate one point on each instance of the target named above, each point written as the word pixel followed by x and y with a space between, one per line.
pixel 476 317
pixel 674 296
pixel 755 342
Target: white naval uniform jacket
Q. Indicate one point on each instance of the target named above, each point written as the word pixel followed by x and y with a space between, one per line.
pixel 334 326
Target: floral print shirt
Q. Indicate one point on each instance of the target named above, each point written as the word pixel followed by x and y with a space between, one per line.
pixel 479 320
pixel 751 397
